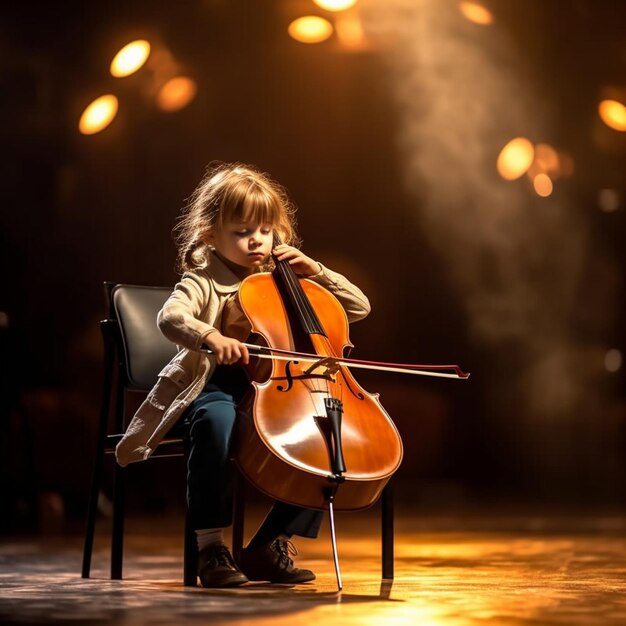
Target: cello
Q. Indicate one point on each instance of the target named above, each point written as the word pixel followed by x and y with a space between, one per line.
pixel 308 434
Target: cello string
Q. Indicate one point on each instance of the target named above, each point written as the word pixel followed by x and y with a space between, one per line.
pixel 288 279
pixel 314 391
pixel 287 282
pixel 314 386
pixel 308 317
pixel 299 299
pixel 296 296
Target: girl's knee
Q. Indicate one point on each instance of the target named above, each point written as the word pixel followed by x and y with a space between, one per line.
pixel 213 425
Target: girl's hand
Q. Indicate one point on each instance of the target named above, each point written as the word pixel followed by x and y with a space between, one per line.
pixel 301 263
pixel 226 349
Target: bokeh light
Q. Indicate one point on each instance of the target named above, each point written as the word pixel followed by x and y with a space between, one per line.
pixel 613 360
pixel 515 158
pixel 476 13
pixel 310 29
pixel 543 186
pixel 130 58
pixel 349 29
pixel 98 115
pixel 335 5
pixel 609 200
pixel 176 93
pixel 547 158
pixel 613 114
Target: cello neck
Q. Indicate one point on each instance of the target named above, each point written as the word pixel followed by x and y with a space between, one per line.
pixel 293 295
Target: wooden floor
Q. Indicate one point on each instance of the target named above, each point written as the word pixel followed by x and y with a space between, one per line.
pixel 449 571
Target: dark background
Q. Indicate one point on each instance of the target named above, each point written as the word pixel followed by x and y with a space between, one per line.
pixel 79 210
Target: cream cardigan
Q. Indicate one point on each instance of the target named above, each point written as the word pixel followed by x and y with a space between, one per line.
pixel 193 309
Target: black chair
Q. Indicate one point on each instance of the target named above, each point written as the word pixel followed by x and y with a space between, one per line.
pixel 134 353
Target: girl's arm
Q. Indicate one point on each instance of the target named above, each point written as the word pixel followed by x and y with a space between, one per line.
pixel 179 319
pixel 353 300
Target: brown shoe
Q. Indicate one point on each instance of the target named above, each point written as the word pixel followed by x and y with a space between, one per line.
pixel 272 562
pixel 217 568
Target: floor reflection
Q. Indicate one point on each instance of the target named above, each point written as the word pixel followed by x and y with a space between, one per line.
pixel 526 573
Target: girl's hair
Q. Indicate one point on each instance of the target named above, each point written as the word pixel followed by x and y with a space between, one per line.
pixel 231 192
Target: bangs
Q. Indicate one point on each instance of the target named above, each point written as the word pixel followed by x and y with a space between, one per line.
pixel 247 201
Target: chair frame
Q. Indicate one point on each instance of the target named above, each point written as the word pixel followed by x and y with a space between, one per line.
pixel 116 384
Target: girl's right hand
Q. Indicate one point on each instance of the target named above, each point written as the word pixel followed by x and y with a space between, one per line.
pixel 226 349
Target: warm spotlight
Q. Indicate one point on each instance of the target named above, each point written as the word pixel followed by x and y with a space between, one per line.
pixel 176 94
pixel 515 158
pixel 130 58
pixel 543 185
pixel 310 29
pixel 613 114
pixel 335 5
pixel 98 115
pixel 476 12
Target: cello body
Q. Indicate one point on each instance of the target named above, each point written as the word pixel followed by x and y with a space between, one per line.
pixel 308 432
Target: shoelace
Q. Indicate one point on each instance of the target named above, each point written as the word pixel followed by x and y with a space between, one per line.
pixel 284 549
pixel 222 556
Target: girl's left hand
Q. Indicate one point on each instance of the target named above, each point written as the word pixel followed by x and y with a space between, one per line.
pixel 301 263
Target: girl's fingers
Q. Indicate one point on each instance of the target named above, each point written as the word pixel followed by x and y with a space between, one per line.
pixel 302 264
pixel 230 354
pixel 293 256
pixel 245 355
pixel 285 250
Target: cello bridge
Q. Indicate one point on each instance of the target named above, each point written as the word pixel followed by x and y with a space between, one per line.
pixel 329 363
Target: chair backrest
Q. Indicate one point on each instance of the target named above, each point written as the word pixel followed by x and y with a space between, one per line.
pixel 146 350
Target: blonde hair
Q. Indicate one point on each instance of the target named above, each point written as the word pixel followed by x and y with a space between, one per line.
pixel 231 192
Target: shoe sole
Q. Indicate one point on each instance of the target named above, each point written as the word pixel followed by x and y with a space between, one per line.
pixel 235 581
pixel 285 581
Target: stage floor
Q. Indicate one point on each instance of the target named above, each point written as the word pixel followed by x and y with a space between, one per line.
pixel 448 571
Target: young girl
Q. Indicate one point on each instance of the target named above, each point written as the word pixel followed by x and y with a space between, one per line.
pixel 225 234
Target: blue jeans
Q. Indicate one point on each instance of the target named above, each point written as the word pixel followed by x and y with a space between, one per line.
pixel 211 418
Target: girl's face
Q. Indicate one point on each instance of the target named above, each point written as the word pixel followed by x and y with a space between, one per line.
pixel 246 244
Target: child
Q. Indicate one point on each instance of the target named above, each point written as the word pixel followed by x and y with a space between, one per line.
pixel 225 234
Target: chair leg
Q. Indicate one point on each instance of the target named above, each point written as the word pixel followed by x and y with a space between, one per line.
pixel 239 504
pixel 387 532
pixel 92 511
pixel 96 480
pixel 190 558
pixel 117 539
